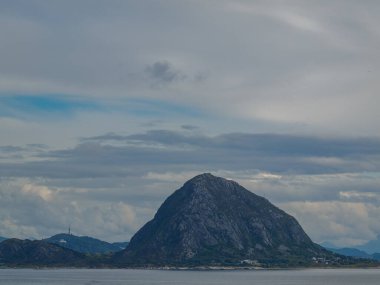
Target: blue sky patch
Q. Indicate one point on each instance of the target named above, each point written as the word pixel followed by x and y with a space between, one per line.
pixel 36 105
pixel 27 106
pixel 47 103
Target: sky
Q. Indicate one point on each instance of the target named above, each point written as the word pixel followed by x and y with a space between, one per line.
pixel 107 107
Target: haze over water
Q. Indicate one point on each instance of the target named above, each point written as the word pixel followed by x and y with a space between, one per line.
pixel 148 277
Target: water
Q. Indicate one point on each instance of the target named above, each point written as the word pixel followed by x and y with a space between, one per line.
pixel 148 277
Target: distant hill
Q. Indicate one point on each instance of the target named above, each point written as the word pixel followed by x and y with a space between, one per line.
pixel 376 256
pixel 371 247
pixel 353 252
pixel 2 239
pixel 16 252
pixel 85 244
pixel 328 245
pixel 120 245
pixel 212 220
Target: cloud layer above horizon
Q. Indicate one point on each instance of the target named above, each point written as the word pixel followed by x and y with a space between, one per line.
pixel 106 107
pixel 109 185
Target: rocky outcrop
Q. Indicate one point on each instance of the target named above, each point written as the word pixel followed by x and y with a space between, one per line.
pixel 212 220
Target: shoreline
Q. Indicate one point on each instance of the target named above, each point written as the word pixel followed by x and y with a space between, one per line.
pixel 200 268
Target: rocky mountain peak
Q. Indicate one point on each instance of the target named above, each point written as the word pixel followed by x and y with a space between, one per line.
pixel 211 220
pixel 206 181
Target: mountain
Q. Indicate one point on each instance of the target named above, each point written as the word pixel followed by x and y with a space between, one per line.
pixel 215 221
pixel 371 247
pixel 120 245
pixel 353 252
pixel 376 256
pixel 85 244
pixel 2 239
pixel 328 245
pixel 16 252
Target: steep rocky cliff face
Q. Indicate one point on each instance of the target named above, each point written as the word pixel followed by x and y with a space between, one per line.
pixel 211 220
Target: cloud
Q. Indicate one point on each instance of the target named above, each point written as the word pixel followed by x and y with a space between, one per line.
pixel 347 224
pixel 272 152
pixel 178 177
pixel 327 66
pixel 189 127
pixel 116 175
pixel 32 210
pixel 10 148
pixel 41 191
pixel 114 155
pixel 163 72
pixel 360 196
pixel 282 13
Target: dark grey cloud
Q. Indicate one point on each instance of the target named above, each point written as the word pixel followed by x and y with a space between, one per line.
pixel 105 137
pixel 268 144
pixel 113 155
pixel 164 72
pixel 27 147
pixel 189 127
pixel 19 153
pixel 37 146
pixel 10 148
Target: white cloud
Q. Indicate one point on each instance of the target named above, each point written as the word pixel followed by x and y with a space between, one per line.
pixel 42 191
pixel 171 176
pixel 11 228
pixel 265 176
pixel 30 210
pixel 283 13
pixel 341 223
pixel 355 195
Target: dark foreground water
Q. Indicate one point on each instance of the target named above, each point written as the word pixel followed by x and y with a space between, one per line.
pixel 147 277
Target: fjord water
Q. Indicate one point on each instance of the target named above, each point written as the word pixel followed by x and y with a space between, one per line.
pixel 148 277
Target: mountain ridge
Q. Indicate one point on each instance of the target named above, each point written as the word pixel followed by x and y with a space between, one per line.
pixel 85 244
pixel 371 247
pixel 354 252
pixel 16 252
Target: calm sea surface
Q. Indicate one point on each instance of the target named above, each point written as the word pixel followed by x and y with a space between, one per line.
pixel 147 277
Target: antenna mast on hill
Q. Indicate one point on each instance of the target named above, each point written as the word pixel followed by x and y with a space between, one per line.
pixel 69 230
